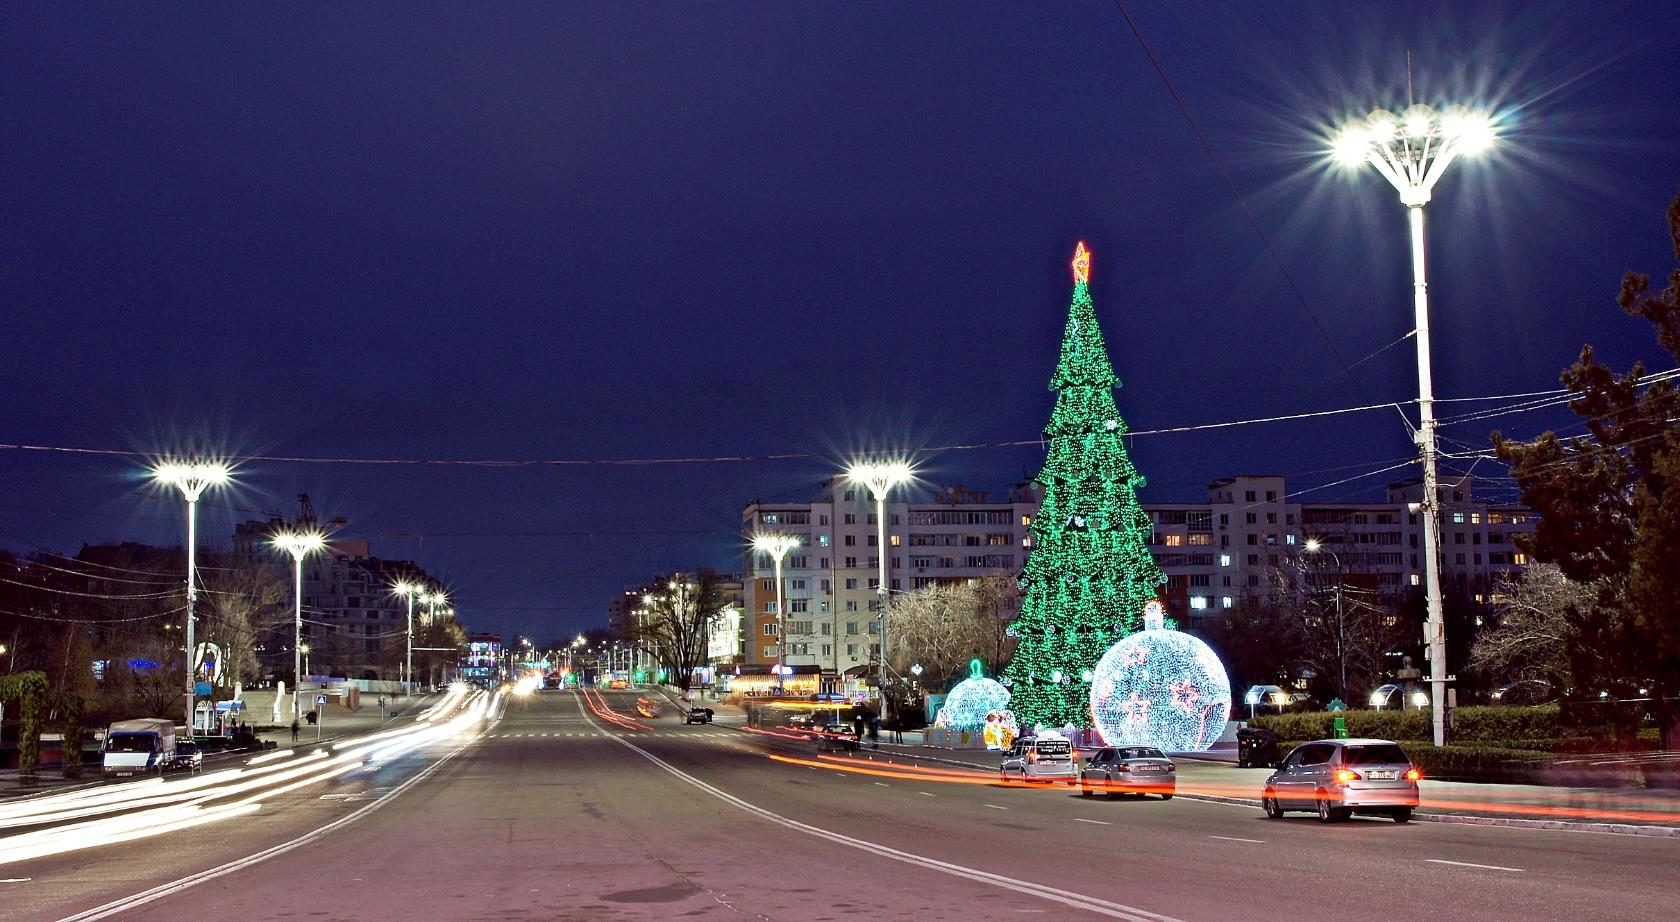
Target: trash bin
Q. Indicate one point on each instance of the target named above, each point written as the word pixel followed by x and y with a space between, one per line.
pixel 1256 748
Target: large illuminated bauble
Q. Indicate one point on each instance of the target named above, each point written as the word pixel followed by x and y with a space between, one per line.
pixel 1160 688
pixel 970 701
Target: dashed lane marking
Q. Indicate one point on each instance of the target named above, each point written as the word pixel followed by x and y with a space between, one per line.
pixel 1238 839
pixel 996 807
pixel 1077 819
pixel 1466 864
pixel 923 793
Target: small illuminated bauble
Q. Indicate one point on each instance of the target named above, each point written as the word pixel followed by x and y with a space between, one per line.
pixel 1160 688
pixel 970 701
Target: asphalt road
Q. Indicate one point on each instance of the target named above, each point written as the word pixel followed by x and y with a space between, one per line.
pixel 553 812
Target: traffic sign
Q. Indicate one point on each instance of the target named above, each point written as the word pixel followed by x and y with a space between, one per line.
pixel 320 701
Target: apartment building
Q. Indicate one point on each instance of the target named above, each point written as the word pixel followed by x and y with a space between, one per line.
pixel 353 624
pixel 830 581
pixel 1249 532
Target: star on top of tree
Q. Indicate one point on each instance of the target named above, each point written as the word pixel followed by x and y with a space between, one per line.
pixel 1081 265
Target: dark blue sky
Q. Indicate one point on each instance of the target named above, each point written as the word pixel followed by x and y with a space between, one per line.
pixel 607 231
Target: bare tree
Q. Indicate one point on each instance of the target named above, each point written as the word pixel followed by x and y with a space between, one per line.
pixel 942 627
pixel 241 604
pixel 675 623
pixel 1537 616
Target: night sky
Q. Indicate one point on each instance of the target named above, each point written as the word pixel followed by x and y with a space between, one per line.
pixel 598 232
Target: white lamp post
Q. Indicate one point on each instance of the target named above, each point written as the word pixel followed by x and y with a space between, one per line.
pixel 408 591
pixel 880 478
pixel 299 545
pixel 1411 151
pixel 777 546
pixel 192 478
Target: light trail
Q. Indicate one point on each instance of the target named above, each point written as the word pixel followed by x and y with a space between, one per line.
pixel 151 808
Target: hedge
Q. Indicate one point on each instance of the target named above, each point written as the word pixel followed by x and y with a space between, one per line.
pixel 1486 725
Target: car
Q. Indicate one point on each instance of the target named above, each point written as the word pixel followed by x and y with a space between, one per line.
pixel 698 716
pixel 189 758
pixel 648 708
pixel 1136 770
pixel 1338 778
pixel 1044 757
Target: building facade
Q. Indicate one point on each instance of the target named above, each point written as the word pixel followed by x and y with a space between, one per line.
pixel 354 625
pixel 1248 535
pixel 830 581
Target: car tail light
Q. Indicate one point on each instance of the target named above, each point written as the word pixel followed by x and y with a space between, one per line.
pixel 1032 757
pixel 1413 774
pixel 1344 776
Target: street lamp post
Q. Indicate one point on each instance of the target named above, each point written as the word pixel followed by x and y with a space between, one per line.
pixel 1411 151
pixel 299 545
pixel 408 591
pixel 777 546
pixel 1314 546
pixel 192 479
pixel 880 478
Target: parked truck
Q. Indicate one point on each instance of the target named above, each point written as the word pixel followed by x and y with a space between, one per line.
pixel 145 746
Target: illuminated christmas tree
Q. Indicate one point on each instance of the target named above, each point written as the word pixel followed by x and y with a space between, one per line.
pixel 1090 572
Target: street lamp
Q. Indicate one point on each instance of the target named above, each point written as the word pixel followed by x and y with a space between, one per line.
pixel 299 545
pixel 408 591
pixel 192 478
pixel 1411 151
pixel 880 477
pixel 777 546
pixel 1314 546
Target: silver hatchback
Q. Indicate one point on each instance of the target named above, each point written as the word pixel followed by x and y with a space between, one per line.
pixel 1338 778
pixel 1138 770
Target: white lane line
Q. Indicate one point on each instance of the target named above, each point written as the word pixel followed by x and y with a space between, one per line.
pixel 1077 819
pixel 1234 839
pixel 1466 864
pixel 923 793
pixel 1090 904
pixel 996 807
pixel 25 880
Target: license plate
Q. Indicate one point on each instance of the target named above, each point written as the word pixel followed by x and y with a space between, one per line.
pixel 1384 776
pixel 1149 768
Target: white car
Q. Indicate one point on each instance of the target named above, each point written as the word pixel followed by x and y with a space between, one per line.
pixel 1040 758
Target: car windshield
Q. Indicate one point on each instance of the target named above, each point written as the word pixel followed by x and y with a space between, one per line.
pixel 129 742
pixel 1385 754
pixel 1141 752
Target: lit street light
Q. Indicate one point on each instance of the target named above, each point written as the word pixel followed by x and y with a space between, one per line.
pixel 1314 546
pixel 192 479
pixel 408 591
pixel 299 545
pixel 1411 151
pixel 880 478
pixel 777 546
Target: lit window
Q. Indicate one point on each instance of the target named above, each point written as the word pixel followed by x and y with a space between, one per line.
pixel 1416 579
pixel 1458 518
pixel 1224 560
pixel 1025 520
pixel 1227 602
pixel 1175 540
pixel 892 540
pixel 1290 539
pixel 1519 559
pixel 1198 602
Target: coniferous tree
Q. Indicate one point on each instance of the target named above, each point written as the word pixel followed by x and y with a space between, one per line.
pixel 1090 570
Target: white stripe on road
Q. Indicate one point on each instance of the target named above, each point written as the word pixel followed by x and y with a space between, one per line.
pixel 1238 839
pixel 877 784
pixel 1077 819
pixel 923 793
pixel 1466 864
pixel 1078 901
pixel 996 807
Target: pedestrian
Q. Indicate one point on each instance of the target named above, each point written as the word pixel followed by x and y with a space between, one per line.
pixel 874 731
pixel 294 729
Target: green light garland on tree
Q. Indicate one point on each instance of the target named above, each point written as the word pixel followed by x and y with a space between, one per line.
pixel 1090 571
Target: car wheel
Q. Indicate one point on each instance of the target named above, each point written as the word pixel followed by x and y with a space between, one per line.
pixel 1085 789
pixel 1327 813
pixel 1166 797
pixel 1402 815
pixel 1269 803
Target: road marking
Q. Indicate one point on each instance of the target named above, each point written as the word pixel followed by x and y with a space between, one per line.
pixel 1077 819
pixel 1090 904
pixel 996 807
pixel 1238 839
pixel 1466 864
pixel 877 784
pixel 923 793
pixel 25 880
